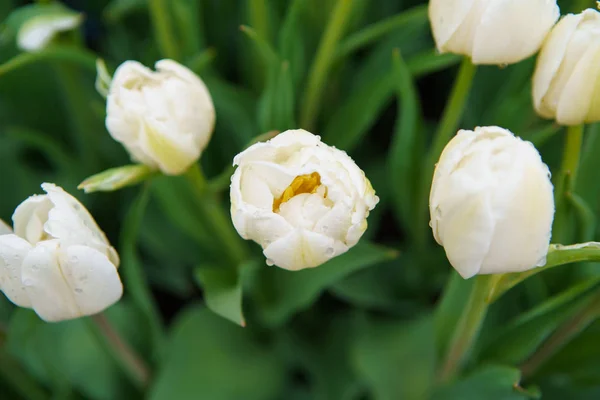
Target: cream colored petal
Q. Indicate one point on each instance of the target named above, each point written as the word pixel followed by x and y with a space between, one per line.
pixel 522 233
pixel 173 157
pixel 512 30
pixel 549 62
pixel 30 216
pixel 466 234
pixel 446 17
pixel 51 297
pixel 13 250
pixel 302 249
pixel 36 33
pixel 91 277
pixel 71 222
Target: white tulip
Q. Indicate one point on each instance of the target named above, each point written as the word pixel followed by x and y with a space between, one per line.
pixel 58 262
pixel 492 31
pixel 491 203
pixel 37 33
pixel 566 82
pixel 303 201
pixel 164 119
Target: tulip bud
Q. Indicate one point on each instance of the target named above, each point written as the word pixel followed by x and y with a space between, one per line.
pixel 566 82
pixel 492 31
pixel 303 201
pixel 164 119
pixel 58 262
pixel 491 203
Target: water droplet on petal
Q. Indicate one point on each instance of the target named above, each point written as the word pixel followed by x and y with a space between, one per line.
pixel 73 259
pixel 330 251
pixel 27 282
pixel 270 262
pixel 78 290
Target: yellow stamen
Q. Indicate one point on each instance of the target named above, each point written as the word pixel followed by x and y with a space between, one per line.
pixel 300 184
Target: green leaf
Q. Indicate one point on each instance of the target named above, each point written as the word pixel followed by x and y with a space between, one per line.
pixel 214 359
pixel 557 255
pixel 450 309
pixel 281 293
pixel 117 10
pixel 351 121
pixel 67 353
pixel 117 178
pixel 83 58
pixel 133 274
pixel 396 358
pixel 416 16
pixel 222 292
pixel 490 383
pixel 291 41
pixel 518 339
pixel 401 157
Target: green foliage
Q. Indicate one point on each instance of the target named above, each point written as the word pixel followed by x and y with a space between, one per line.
pixel 201 308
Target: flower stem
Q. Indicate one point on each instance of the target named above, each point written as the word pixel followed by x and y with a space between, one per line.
pixel 448 125
pixel 217 221
pixel 323 61
pixel 467 329
pixel 565 181
pixel 163 28
pixel 588 314
pixel 120 351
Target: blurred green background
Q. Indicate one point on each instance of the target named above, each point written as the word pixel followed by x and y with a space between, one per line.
pixel 369 324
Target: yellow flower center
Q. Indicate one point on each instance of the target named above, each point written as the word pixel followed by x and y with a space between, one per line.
pixel 300 184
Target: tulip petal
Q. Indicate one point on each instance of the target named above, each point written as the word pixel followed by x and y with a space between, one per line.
pixel 13 250
pixel 302 249
pixel 51 297
pixel 30 216
pixel 71 223
pixel 497 43
pixel 446 17
pixel 91 277
pixel 466 234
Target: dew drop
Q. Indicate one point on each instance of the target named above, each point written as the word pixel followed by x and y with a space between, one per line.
pixel 329 251
pixel 78 290
pixel 270 262
pixel 27 282
pixel 73 259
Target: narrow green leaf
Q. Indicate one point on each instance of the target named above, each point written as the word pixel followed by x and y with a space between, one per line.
pixel 73 55
pixel 222 292
pixel 201 60
pixel 557 255
pixel 351 121
pixel 521 337
pixel 188 25
pixel 492 382
pixel 281 293
pixel 266 51
pixel 133 272
pixel 401 156
pixel 322 63
pixel 214 359
pixel 397 359
pixel 117 10
pixel 291 41
pixel 586 219
pixel 414 16
pixel 41 141
pixel 117 178
pixel 19 380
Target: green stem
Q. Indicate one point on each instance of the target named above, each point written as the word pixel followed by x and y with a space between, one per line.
pixel 217 221
pixel 130 362
pixel 322 63
pixel 21 382
pixel 566 180
pixel 447 128
pixel 163 28
pixel 467 329
pixel 563 335
pixel 57 52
